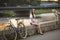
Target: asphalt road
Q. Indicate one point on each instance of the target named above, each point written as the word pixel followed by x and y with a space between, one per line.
pixel 52 35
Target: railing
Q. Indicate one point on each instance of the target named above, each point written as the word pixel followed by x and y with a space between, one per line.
pixel 27 7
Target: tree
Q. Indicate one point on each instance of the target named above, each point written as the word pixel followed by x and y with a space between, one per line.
pixel 19 2
pixel 59 1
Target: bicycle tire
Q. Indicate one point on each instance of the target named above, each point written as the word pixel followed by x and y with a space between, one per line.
pixel 22 31
pixel 5 35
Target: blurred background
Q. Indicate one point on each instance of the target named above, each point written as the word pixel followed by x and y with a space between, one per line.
pixel 4 3
pixel 27 3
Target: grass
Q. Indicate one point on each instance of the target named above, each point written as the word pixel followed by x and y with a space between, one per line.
pixel 37 11
pixel 9 12
pixel 58 10
pixel 40 11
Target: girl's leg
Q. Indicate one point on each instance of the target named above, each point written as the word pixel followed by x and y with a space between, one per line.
pixel 39 29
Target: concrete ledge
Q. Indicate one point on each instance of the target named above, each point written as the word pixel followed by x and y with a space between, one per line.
pixel 46 26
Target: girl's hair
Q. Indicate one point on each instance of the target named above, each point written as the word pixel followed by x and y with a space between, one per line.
pixel 33 12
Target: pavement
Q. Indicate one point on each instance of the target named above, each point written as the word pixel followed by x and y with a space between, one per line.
pixel 52 35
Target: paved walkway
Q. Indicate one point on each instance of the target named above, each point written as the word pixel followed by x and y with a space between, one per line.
pixel 52 35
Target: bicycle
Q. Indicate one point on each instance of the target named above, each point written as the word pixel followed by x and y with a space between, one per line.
pixel 15 28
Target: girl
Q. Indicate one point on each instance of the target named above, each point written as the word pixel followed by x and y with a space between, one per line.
pixel 34 22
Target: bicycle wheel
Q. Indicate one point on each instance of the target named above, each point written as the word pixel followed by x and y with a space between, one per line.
pixel 9 33
pixel 22 30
